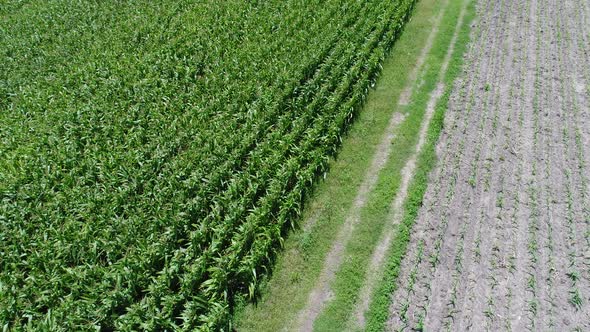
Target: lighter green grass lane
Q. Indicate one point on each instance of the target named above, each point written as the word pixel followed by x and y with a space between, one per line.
pixel 421 109
pixel 299 269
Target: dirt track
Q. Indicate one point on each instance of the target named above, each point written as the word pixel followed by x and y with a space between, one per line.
pixel 503 240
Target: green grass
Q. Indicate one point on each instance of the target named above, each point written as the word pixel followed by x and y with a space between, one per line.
pixel 375 216
pixel 379 309
pixel 297 270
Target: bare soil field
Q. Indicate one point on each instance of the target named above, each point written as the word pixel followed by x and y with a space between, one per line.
pixel 503 239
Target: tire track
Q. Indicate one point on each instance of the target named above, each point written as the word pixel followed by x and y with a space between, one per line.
pixel 322 292
pixel 375 269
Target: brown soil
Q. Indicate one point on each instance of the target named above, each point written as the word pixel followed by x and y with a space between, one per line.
pixel 503 239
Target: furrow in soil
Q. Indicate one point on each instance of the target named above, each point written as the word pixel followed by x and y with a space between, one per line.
pixel 502 240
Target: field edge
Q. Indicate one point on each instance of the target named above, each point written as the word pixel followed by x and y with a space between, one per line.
pixel 379 308
pixel 367 124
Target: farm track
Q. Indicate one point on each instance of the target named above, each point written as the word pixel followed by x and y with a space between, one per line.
pixel 502 240
pixel 322 291
pixel 396 210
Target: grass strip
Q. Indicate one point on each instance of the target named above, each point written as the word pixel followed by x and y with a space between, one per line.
pixel 376 213
pixel 379 308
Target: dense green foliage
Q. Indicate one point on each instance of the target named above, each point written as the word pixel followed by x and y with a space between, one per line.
pixel 153 153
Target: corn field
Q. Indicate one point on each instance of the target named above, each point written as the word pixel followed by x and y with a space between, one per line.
pixel 153 154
